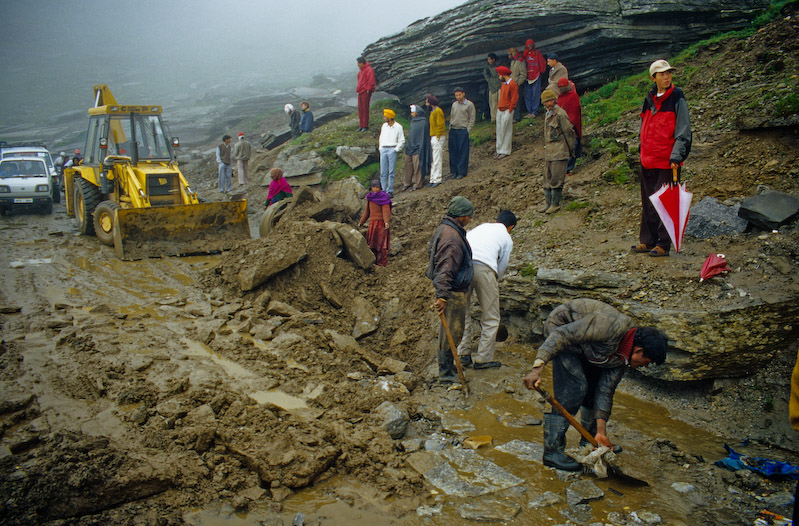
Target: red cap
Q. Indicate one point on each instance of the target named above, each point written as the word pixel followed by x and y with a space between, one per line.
pixel 529 42
pixel 563 82
pixel 503 70
pixel 77 151
pixel 241 134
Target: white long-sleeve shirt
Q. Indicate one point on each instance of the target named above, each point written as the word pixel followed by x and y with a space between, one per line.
pixel 392 135
pixel 491 245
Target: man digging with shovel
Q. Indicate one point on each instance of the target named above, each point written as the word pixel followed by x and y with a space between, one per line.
pixel 590 345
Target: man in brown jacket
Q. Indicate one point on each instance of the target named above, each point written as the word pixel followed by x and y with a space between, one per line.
pixel 559 136
pixel 590 345
pixel 450 268
pixel 518 72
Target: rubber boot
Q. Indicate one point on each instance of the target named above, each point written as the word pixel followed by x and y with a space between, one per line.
pixel 588 422
pixel 555 427
pixel 547 200
pixel 554 204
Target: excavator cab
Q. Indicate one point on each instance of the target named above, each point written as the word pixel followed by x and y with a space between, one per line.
pixel 130 192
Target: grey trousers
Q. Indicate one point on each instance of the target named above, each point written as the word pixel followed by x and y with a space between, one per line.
pixel 455 313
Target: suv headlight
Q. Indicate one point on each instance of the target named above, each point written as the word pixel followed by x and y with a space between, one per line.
pixel 5 190
pixel 42 187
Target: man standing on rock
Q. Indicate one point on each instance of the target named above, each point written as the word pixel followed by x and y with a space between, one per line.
pixel 461 122
pixel 391 141
pixel 491 246
pixel 306 120
pixel 417 151
pixel 590 345
pixel 294 120
pixel 508 99
pixel 518 72
pixel 492 79
pixel 558 145
pixel 223 161
pixel 665 144
pixel 570 102
pixel 438 128
pixel 450 268
pixel 534 62
pixel 365 87
pixel 242 152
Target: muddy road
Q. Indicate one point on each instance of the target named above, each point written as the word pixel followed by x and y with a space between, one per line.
pixel 149 393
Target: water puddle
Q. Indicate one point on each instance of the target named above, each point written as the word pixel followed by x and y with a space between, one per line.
pixel 30 262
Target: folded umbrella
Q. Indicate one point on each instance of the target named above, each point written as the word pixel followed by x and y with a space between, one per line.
pixel 714 265
pixel 673 203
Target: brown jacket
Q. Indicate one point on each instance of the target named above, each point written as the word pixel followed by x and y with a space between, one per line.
pixel 593 329
pixel 559 135
pixel 375 212
pixel 449 259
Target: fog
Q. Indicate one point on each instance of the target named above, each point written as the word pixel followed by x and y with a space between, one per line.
pixel 150 51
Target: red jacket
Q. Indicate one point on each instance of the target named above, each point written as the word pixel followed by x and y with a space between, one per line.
pixel 665 129
pixel 570 102
pixel 366 79
pixel 508 96
pixel 535 63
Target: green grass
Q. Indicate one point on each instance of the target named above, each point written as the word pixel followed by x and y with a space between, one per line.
pixel 529 271
pixel 576 205
pixel 364 174
pixel 789 104
pixel 483 132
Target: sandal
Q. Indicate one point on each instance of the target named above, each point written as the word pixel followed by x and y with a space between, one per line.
pixel 658 252
pixel 640 248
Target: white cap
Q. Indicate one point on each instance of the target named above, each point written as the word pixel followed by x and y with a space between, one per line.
pixel 288 108
pixel 659 66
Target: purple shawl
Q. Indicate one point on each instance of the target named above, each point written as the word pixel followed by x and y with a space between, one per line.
pixel 379 198
pixel 275 187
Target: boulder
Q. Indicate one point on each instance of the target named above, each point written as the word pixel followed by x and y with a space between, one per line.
pixel 769 210
pixel 259 271
pixel 355 247
pixel 357 156
pixel 347 193
pixel 366 317
pixel 392 419
pixel 597 41
pixel 709 218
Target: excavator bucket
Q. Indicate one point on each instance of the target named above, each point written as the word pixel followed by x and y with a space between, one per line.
pixel 179 230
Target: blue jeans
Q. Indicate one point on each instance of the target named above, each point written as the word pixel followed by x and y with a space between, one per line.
pixel 532 96
pixel 388 166
pixel 578 152
pixel 225 176
pixel 459 152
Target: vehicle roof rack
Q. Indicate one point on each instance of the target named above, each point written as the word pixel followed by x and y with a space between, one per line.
pixel 24 144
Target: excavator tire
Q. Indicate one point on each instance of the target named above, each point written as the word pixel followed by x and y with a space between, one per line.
pixel 104 216
pixel 87 196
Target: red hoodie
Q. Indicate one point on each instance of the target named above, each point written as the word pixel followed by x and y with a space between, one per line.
pixel 366 79
pixel 570 102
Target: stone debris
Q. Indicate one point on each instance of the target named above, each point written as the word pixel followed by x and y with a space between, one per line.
pixel 530 451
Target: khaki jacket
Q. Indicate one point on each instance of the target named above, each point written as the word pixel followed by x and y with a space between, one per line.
pixel 559 135
pixel 518 72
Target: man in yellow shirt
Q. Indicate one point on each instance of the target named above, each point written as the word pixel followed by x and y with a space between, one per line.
pixel 438 129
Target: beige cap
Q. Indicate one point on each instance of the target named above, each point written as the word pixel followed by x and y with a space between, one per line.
pixel 548 94
pixel 659 66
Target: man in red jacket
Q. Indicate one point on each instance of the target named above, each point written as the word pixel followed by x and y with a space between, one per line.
pixel 365 87
pixel 536 66
pixel 570 102
pixel 508 98
pixel 665 144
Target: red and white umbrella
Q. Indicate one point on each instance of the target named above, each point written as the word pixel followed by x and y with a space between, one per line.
pixel 714 265
pixel 673 203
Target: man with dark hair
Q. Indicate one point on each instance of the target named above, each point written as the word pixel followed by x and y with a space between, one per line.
pixel 461 122
pixel 492 79
pixel 491 247
pixel 450 268
pixel 590 345
pixel 365 87
pixel 518 72
pixel 438 128
pixel 535 66
pixel 223 153
pixel 665 144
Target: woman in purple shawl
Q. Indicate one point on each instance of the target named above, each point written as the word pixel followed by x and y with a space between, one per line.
pixel 279 188
pixel 378 212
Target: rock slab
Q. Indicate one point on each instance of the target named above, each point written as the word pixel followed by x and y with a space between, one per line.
pixel 769 210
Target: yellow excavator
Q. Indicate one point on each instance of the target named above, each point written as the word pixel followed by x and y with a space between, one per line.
pixel 130 193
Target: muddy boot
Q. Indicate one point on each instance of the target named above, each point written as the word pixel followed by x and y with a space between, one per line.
pixel 554 204
pixel 547 200
pixel 555 427
pixel 588 422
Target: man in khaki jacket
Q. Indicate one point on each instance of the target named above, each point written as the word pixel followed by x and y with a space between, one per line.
pixel 518 72
pixel 559 136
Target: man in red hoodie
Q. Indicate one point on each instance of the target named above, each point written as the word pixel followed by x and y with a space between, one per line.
pixel 570 102
pixel 665 144
pixel 365 87
pixel 536 65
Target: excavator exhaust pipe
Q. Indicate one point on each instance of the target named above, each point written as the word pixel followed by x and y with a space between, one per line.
pixel 179 230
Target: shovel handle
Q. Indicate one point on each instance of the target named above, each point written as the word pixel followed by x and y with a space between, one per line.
pixel 573 421
pixel 455 358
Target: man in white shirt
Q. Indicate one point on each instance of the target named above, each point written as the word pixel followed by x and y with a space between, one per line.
pixel 391 141
pixel 491 247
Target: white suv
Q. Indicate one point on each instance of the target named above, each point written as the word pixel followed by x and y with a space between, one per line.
pixel 25 184
pixel 35 149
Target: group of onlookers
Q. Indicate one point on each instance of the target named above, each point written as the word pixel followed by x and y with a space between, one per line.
pixel 226 154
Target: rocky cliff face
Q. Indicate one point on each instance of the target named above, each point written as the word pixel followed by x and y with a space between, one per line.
pixel 597 40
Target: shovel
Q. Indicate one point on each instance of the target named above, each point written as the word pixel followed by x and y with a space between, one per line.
pixel 455 357
pixel 612 469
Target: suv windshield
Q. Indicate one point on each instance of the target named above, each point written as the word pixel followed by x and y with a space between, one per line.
pixel 20 168
pixel 43 155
